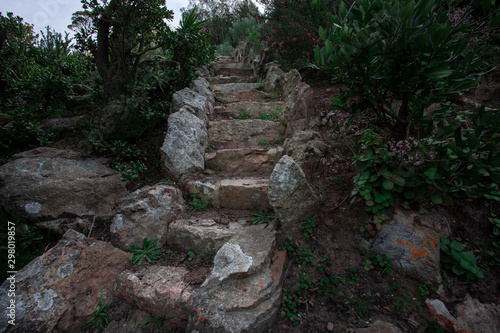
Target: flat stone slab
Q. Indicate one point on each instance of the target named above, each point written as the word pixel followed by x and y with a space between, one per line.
pixel 243 160
pixel 234 69
pixel 245 194
pixel 254 110
pixel 231 79
pixel 46 183
pixel 201 235
pixel 160 290
pixel 250 131
pixel 232 87
pixel 243 96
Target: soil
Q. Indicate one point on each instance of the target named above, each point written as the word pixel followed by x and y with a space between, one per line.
pixel 352 296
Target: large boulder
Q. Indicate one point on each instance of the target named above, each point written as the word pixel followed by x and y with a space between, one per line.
pixel 59 289
pixel 290 195
pixel 275 79
pixel 290 82
pixel 159 290
pixel 305 147
pixel 183 151
pixel 412 241
pixel 47 183
pixel 198 104
pixel 202 87
pixel 243 293
pixel 296 115
pixel 146 213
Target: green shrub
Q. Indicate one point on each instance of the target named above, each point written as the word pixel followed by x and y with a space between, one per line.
pixel 398 58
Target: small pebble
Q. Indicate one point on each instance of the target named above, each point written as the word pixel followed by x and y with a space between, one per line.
pixel 329 327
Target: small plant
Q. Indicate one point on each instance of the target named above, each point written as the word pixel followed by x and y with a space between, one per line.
pixel 262 217
pixel 132 172
pixel 308 228
pixel 274 96
pixel 372 261
pixel 496 230
pixel 360 306
pixel 198 202
pixel 149 251
pixel 243 115
pixel 401 303
pixel 157 321
pixel 270 116
pixel 263 142
pixel 425 289
pixel 209 146
pixel 290 306
pixel 461 262
pixel 191 255
pixel 208 253
pixel 352 276
pixel 260 84
pixel 100 317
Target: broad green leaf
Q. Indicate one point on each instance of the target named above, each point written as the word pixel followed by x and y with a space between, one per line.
pixel 388 185
pixel 438 73
pixel 437 198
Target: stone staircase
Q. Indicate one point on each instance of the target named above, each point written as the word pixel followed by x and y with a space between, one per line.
pixel 243 293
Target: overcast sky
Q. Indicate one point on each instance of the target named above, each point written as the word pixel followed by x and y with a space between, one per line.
pixel 57 13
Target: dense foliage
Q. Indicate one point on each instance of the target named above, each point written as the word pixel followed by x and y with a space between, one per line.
pixel 292 27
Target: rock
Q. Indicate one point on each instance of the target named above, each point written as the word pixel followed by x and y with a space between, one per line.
pixel 253 109
pixel 201 235
pixel 478 317
pixel 183 150
pixel 112 116
pixel 202 87
pixel 438 311
pixel 243 160
pixel 329 327
pixel 378 326
pixel 246 194
pixel 296 111
pixel 243 293
pixel 159 290
pixel 146 213
pixel 248 131
pixel 60 226
pixel 290 195
pixel 305 147
pixel 412 241
pixel 60 124
pixel 46 183
pixel 233 87
pixel 290 82
pixel 198 103
pixel 59 289
pixel 274 81
pixel 205 190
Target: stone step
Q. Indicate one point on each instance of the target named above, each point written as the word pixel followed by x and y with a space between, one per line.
pixel 249 132
pixel 243 160
pixel 244 194
pixel 243 96
pixel 234 87
pixel 232 79
pixel 233 69
pixel 233 193
pixel 251 109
